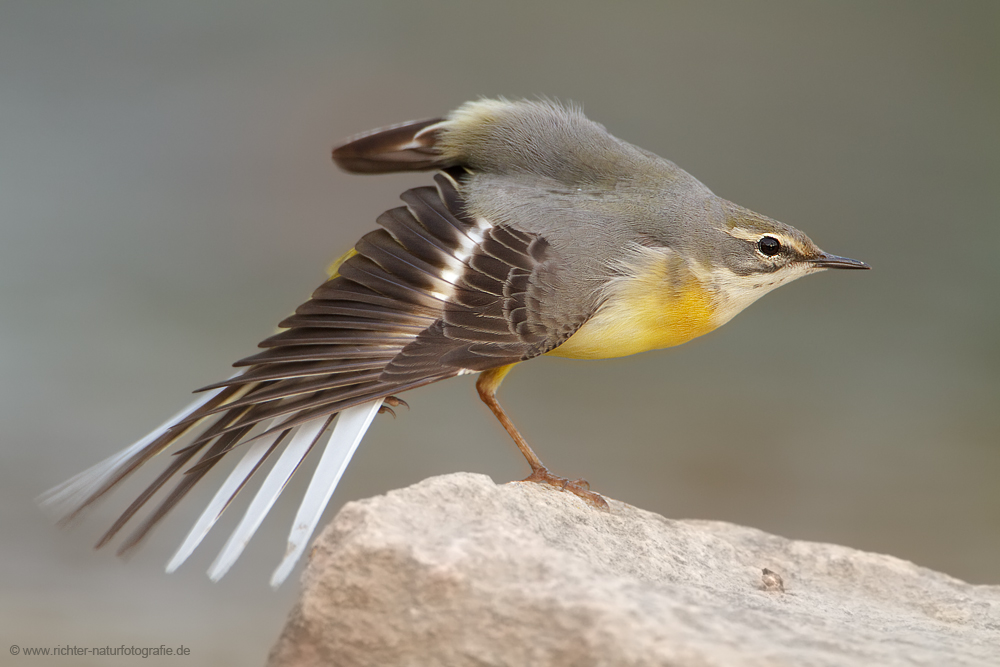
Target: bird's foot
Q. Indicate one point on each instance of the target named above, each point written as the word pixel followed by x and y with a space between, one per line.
pixel 578 487
pixel 390 402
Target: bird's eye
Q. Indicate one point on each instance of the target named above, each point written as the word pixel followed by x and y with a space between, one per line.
pixel 768 245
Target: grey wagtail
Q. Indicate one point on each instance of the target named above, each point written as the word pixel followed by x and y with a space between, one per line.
pixel 543 234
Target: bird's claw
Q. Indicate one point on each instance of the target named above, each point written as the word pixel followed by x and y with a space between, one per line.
pixel 578 487
pixel 390 402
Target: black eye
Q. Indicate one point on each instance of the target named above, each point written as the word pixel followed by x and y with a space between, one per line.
pixel 769 246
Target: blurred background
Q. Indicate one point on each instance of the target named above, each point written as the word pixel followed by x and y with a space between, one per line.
pixel 167 196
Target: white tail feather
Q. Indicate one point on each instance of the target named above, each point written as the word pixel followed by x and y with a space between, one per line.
pixel 303 440
pixel 352 424
pixel 72 493
pixel 233 484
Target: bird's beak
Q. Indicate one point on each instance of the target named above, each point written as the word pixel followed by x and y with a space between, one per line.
pixel 828 261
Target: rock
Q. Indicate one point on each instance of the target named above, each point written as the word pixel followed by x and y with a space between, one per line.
pixel 457 570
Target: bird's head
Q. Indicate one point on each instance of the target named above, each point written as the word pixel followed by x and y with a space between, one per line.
pixel 757 254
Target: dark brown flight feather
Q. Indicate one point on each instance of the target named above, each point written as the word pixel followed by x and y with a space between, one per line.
pixel 430 295
pixel 403 147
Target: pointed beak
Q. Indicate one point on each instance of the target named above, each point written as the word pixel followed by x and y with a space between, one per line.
pixel 828 261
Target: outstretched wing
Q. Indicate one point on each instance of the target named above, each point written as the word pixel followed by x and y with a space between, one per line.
pixel 429 296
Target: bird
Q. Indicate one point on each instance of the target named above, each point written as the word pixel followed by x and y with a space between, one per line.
pixel 542 234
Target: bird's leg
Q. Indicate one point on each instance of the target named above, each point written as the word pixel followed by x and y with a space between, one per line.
pixel 487 385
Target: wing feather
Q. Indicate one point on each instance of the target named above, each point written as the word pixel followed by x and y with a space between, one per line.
pixel 430 295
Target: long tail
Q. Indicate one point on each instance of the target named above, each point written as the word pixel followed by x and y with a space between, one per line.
pixel 415 302
pixel 70 497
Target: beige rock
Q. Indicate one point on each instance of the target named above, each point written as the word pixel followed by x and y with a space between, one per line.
pixel 457 570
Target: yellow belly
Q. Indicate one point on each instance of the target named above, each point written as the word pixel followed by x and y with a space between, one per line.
pixel 644 315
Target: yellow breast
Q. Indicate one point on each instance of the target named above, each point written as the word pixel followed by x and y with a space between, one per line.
pixel 647 311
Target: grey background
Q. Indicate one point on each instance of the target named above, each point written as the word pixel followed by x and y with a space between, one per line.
pixel 166 196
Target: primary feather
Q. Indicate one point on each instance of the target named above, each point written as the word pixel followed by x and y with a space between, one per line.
pixel 432 294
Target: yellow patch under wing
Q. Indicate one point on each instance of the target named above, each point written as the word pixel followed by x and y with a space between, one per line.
pixel 331 270
pixel 645 313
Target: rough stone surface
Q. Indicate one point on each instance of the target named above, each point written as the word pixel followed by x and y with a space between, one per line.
pixel 457 570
